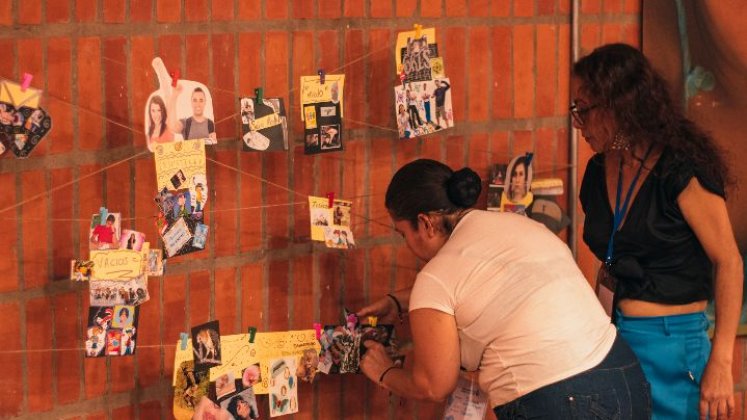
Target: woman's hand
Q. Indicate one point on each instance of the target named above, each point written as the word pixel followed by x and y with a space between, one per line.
pixel 716 391
pixel 375 361
pixel 385 309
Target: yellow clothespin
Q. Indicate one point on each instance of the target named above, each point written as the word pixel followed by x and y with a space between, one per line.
pixel 417 28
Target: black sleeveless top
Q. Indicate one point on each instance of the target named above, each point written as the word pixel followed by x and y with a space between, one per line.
pixel 656 255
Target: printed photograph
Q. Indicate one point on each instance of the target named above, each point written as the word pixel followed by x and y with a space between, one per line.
pixel 131 239
pixel 190 386
pixel 283 387
pixel 200 237
pixel 340 237
pixel 131 292
pixel 154 265
pixel 241 406
pixel 81 270
pixel 423 107
pixel 206 345
pixel 105 234
pixel 330 137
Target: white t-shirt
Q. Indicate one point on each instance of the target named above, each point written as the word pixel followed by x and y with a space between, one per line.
pixel 525 314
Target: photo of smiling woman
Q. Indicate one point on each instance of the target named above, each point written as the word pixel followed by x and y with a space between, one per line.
pixel 157 132
pixel 500 294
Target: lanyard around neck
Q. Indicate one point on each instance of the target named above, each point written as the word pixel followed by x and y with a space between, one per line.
pixel 621 210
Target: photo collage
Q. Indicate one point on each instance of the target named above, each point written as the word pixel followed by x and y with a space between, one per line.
pixel 23 124
pixel 321 112
pixel 264 125
pixel 331 225
pixel 111 330
pixel 423 100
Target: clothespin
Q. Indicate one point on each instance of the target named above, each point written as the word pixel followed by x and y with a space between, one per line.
pixel 318 330
pixel 103 213
pixel 252 333
pixel 331 198
pixel 26 81
pixel 418 29
pixel 183 343
pixel 174 77
pixel 321 76
pixel 258 94
pixel 402 77
pixel 372 321
pixel 528 158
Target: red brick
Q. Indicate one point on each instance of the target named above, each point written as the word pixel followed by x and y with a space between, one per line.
pixel 546 7
pixel 591 6
pixel 611 32
pixel 62 233
pixel 125 412
pixel 523 60
pixel 355 268
pixel 199 298
pixel 59 73
pixel 302 293
pixel 523 142
pixel 479 160
pixel 148 358
pixel 590 37
pixel 330 394
pixel 122 371
pixel 354 385
pixel 379 80
pixel 6 66
pixel 479 65
pixel 174 311
pixel 29 12
pixel 631 34
pixel 431 8
pixel 6 13
pixel 10 335
pixel 140 10
pixel 353 184
pixel 502 82
pixel 276 195
pixel 544 153
pixel 330 287
pixel 115 92
pixel 30 52
pixel 249 64
pixel 223 10
pixel 151 410
pixel 168 10
pixel 90 192
pixel 39 363
pixel 276 65
pixel 330 9
pixel 524 8
pixel 170 51
pixel 57 12
pixel 34 225
pixel 455 58
pixel 251 296
pixel 199 66
pixel 89 71
pixel 86 10
pixel 547 70
pixel 303 182
pixel 303 9
pixel 224 98
pixel 479 8
pixel 278 288
pixel 564 6
pixel 145 208
pixel 613 6
pixel 250 217
pixel 381 266
pixel 406 8
pixel 355 78
pixel 455 148
pixel 380 164
pixel 9 236
pixel 381 9
pixel 226 301
pixel 431 148
pixel 354 8
pixel 329 56
pixel 456 7
pixel 250 9
pixel 96 416
pixel 196 10
pixel 142 77
pixel 564 70
pixel 329 174
pixel 632 7
pixel 278 10
pixel 118 192
pixel 501 8
pixel 303 65
pixel 499 147
pixel 114 12
pixel 227 202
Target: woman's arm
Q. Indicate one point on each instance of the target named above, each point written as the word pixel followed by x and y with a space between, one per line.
pixel 386 308
pixel 706 214
pixel 435 367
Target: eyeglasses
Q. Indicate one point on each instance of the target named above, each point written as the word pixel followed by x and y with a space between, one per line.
pixel 577 112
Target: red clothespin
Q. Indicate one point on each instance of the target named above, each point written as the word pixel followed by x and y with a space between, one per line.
pixel 174 77
pixel 331 198
pixel 252 333
pixel 26 81
pixel 418 29
pixel 321 76
pixel 318 330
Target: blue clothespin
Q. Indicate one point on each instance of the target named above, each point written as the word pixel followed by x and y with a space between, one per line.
pixel 252 333
pixel 183 337
pixel 258 92
pixel 528 158
pixel 321 76
pixel 103 213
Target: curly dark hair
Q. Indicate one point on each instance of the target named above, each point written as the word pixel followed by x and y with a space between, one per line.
pixel 620 78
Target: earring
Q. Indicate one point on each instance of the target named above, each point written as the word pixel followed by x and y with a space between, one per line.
pixel 620 142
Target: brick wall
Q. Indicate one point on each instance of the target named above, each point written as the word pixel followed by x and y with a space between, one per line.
pixel 508 62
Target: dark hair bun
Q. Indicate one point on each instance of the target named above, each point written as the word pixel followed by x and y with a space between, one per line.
pixel 464 187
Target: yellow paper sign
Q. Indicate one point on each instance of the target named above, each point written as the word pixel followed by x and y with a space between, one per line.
pixel 117 264
pixel 313 91
pixel 267 121
pixel 12 93
pixel 177 163
pixel 322 216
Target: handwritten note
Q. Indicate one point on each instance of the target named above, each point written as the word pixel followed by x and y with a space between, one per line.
pixel 117 264
pixel 182 160
pixel 176 237
pixel 313 91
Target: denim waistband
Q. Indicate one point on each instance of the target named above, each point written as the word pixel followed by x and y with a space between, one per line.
pixel 670 324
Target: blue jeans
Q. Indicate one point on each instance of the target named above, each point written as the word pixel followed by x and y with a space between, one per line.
pixel 673 351
pixel 614 389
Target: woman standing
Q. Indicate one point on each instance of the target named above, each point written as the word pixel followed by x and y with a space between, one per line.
pixel 500 294
pixel 656 217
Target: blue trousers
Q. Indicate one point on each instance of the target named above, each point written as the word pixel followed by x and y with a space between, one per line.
pixel 614 389
pixel 673 351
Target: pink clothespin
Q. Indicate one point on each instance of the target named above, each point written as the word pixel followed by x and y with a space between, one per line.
pixel 318 330
pixel 26 81
pixel 402 77
pixel 321 76
pixel 174 77
pixel 331 198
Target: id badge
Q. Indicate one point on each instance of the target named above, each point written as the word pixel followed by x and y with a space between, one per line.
pixel 605 289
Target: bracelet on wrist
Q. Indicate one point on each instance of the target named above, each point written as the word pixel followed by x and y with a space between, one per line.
pixel 383 374
pixel 400 314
